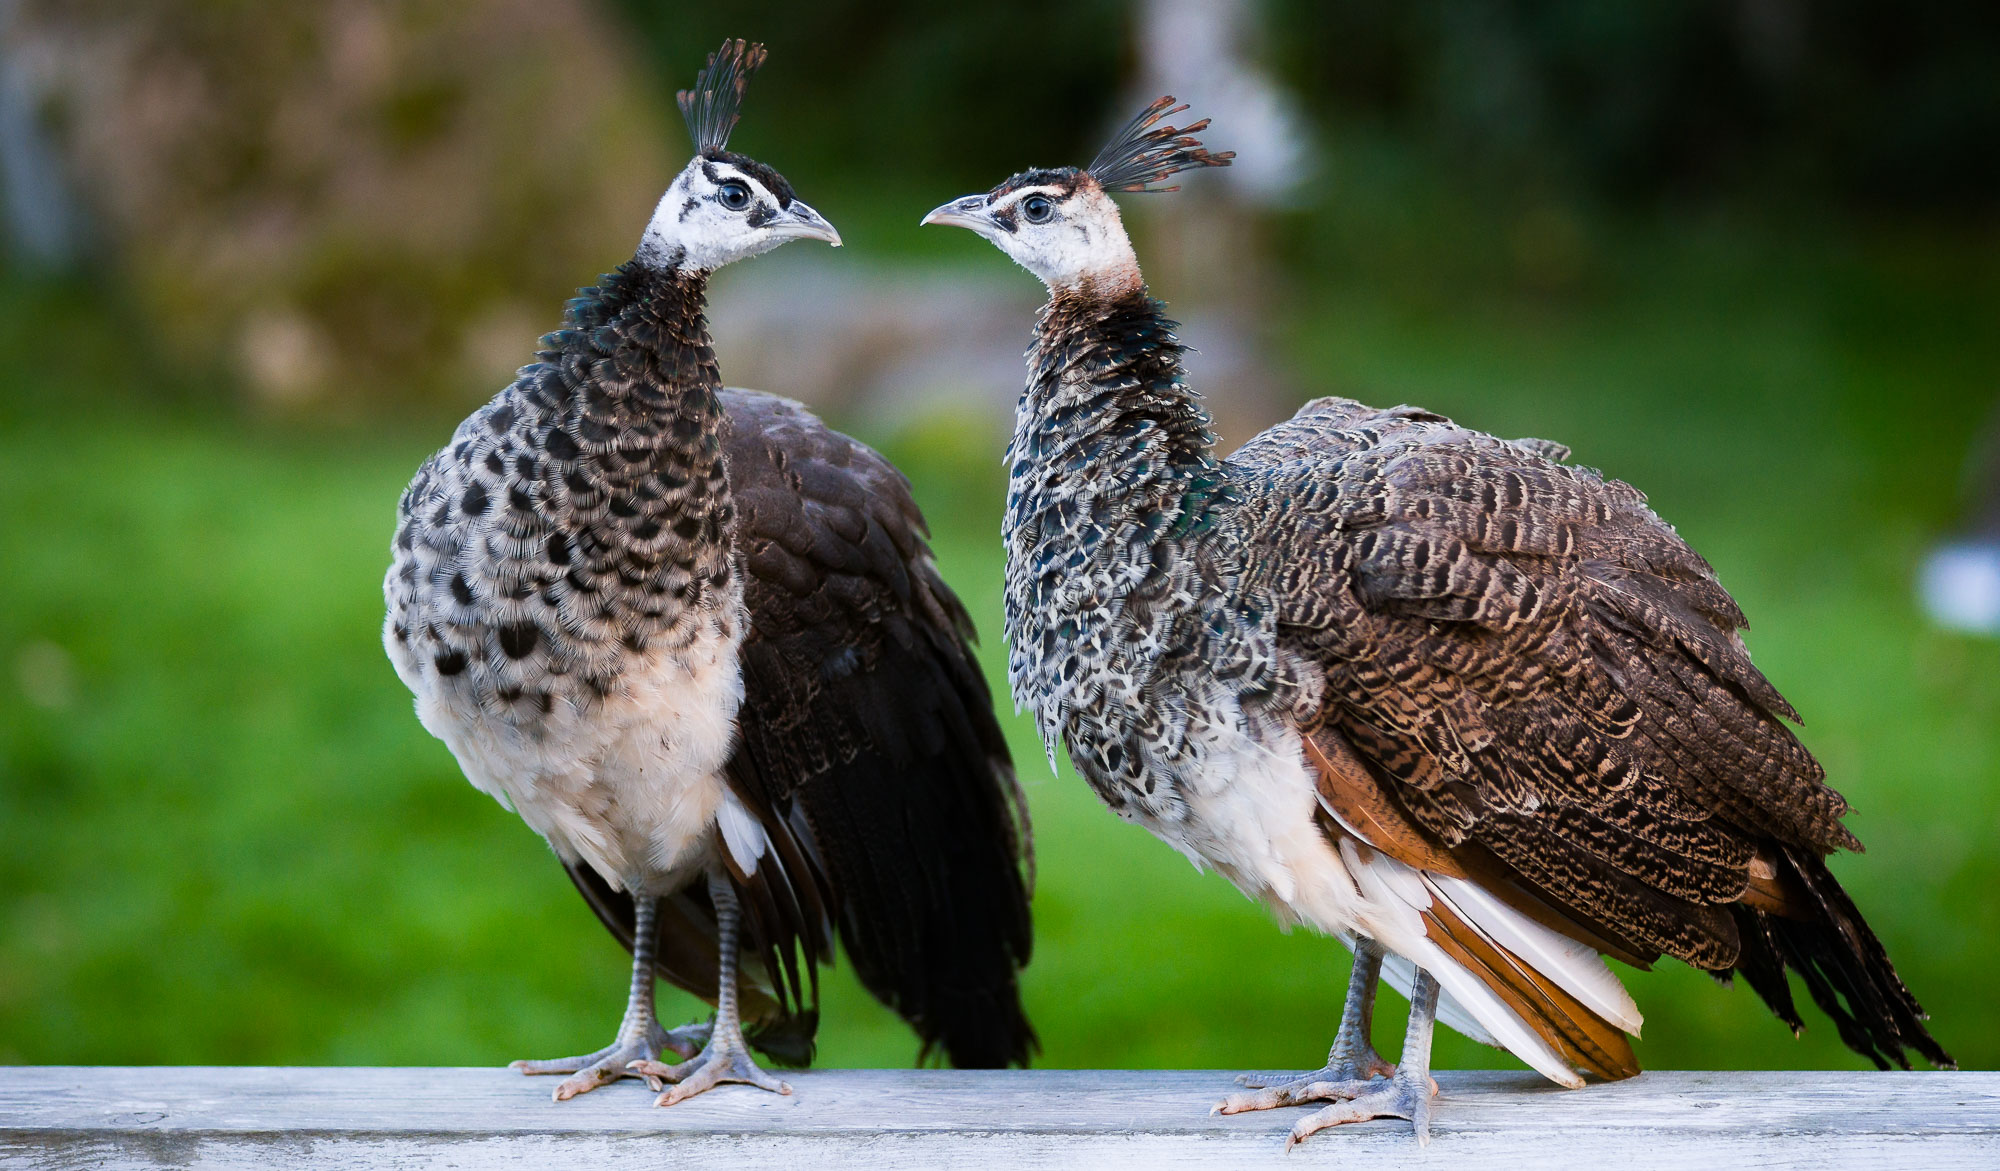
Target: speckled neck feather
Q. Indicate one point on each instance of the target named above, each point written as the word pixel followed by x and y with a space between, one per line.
pixel 634 364
pixel 1108 367
pixel 1110 472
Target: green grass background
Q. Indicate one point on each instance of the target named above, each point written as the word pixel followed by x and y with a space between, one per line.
pixel 225 839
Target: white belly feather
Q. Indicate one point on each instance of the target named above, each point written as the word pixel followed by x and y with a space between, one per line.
pixel 1252 816
pixel 631 787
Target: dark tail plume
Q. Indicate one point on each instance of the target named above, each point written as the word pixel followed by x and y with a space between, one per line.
pixel 1843 966
pixel 921 839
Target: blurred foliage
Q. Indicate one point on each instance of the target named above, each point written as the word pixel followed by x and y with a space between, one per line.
pixel 352 206
pixel 224 837
pixel 868 93
pixel 343 205
pixel 1866 103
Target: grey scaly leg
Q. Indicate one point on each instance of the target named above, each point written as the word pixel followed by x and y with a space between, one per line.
pixel 1349 1064
pixel 1407 1095
pixel 1353 1054
pixel 640 1037
pixel 725 1058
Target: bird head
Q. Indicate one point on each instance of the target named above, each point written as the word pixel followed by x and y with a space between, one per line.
pixel 724 207
pixel 1060 223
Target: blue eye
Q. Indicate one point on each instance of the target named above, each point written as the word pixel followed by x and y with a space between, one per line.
pixel 734 196
pixel 1037 208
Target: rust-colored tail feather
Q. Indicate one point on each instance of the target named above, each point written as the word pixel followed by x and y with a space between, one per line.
pixel 1584 1039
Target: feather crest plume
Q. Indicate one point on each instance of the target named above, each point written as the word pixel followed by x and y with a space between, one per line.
pixel 712 107
pixel 1148 150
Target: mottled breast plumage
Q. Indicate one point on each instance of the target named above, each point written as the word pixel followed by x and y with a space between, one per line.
pixel 577 520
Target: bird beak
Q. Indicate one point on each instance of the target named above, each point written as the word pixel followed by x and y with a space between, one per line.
pixel 969 212
pixel 799 222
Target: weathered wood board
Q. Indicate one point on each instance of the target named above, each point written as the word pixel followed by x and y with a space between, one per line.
pixel 883 1120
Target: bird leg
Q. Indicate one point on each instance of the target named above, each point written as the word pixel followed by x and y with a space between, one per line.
pixel 640 1036
pixel 1349 1064
pixel 1353 1054
pixel 1407 1095
pixel 726 1058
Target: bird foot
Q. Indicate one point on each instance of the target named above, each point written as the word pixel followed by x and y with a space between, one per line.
pixel 1399 1098
pixel 725 1062
pixel 1360 1068
pixel 1326 1085
pixel 608 1064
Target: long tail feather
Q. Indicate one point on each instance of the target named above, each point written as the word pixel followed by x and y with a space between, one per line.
pixel 1842 964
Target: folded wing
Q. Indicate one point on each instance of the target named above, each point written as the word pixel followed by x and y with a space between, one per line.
pixel 1541 694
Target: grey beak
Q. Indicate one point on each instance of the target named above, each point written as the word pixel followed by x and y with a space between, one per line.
pixel 800 222
pixel 969 212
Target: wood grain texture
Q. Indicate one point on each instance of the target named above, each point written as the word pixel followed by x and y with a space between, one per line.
pixel 82 1117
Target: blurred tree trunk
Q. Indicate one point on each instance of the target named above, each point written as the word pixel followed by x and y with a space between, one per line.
pixel 1206 249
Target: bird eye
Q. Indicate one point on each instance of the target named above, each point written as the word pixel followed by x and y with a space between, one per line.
pixel 734 196
pixel 1037 208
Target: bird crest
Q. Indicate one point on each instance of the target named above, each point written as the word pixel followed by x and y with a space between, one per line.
pixel 1148 150
pixel 716 101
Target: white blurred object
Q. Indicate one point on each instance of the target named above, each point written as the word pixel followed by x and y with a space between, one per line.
pixel 1208 251
pixel 1204 53
pixel 1960 585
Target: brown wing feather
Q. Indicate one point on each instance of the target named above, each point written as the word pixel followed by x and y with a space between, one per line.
pixel 1363 810
pixel 1360 803
pixel 1538 671
pixel 868 745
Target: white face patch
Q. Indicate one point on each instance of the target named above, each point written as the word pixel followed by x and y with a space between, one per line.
pixel 715 213
pixel 1083 239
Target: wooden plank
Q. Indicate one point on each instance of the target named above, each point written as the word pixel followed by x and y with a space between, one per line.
pixel 882 1120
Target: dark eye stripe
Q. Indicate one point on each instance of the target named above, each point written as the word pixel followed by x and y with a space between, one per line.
pixel 769 179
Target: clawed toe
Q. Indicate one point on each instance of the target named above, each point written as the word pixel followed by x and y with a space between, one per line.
pixel 1311 1088
pixel 658 1073
pixel 594 1070
pixel 1402 1098
pixel 587 1079
pixel 1353 1075
pixel 717 1065
pixel 1356 1071
pixel 560 1064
